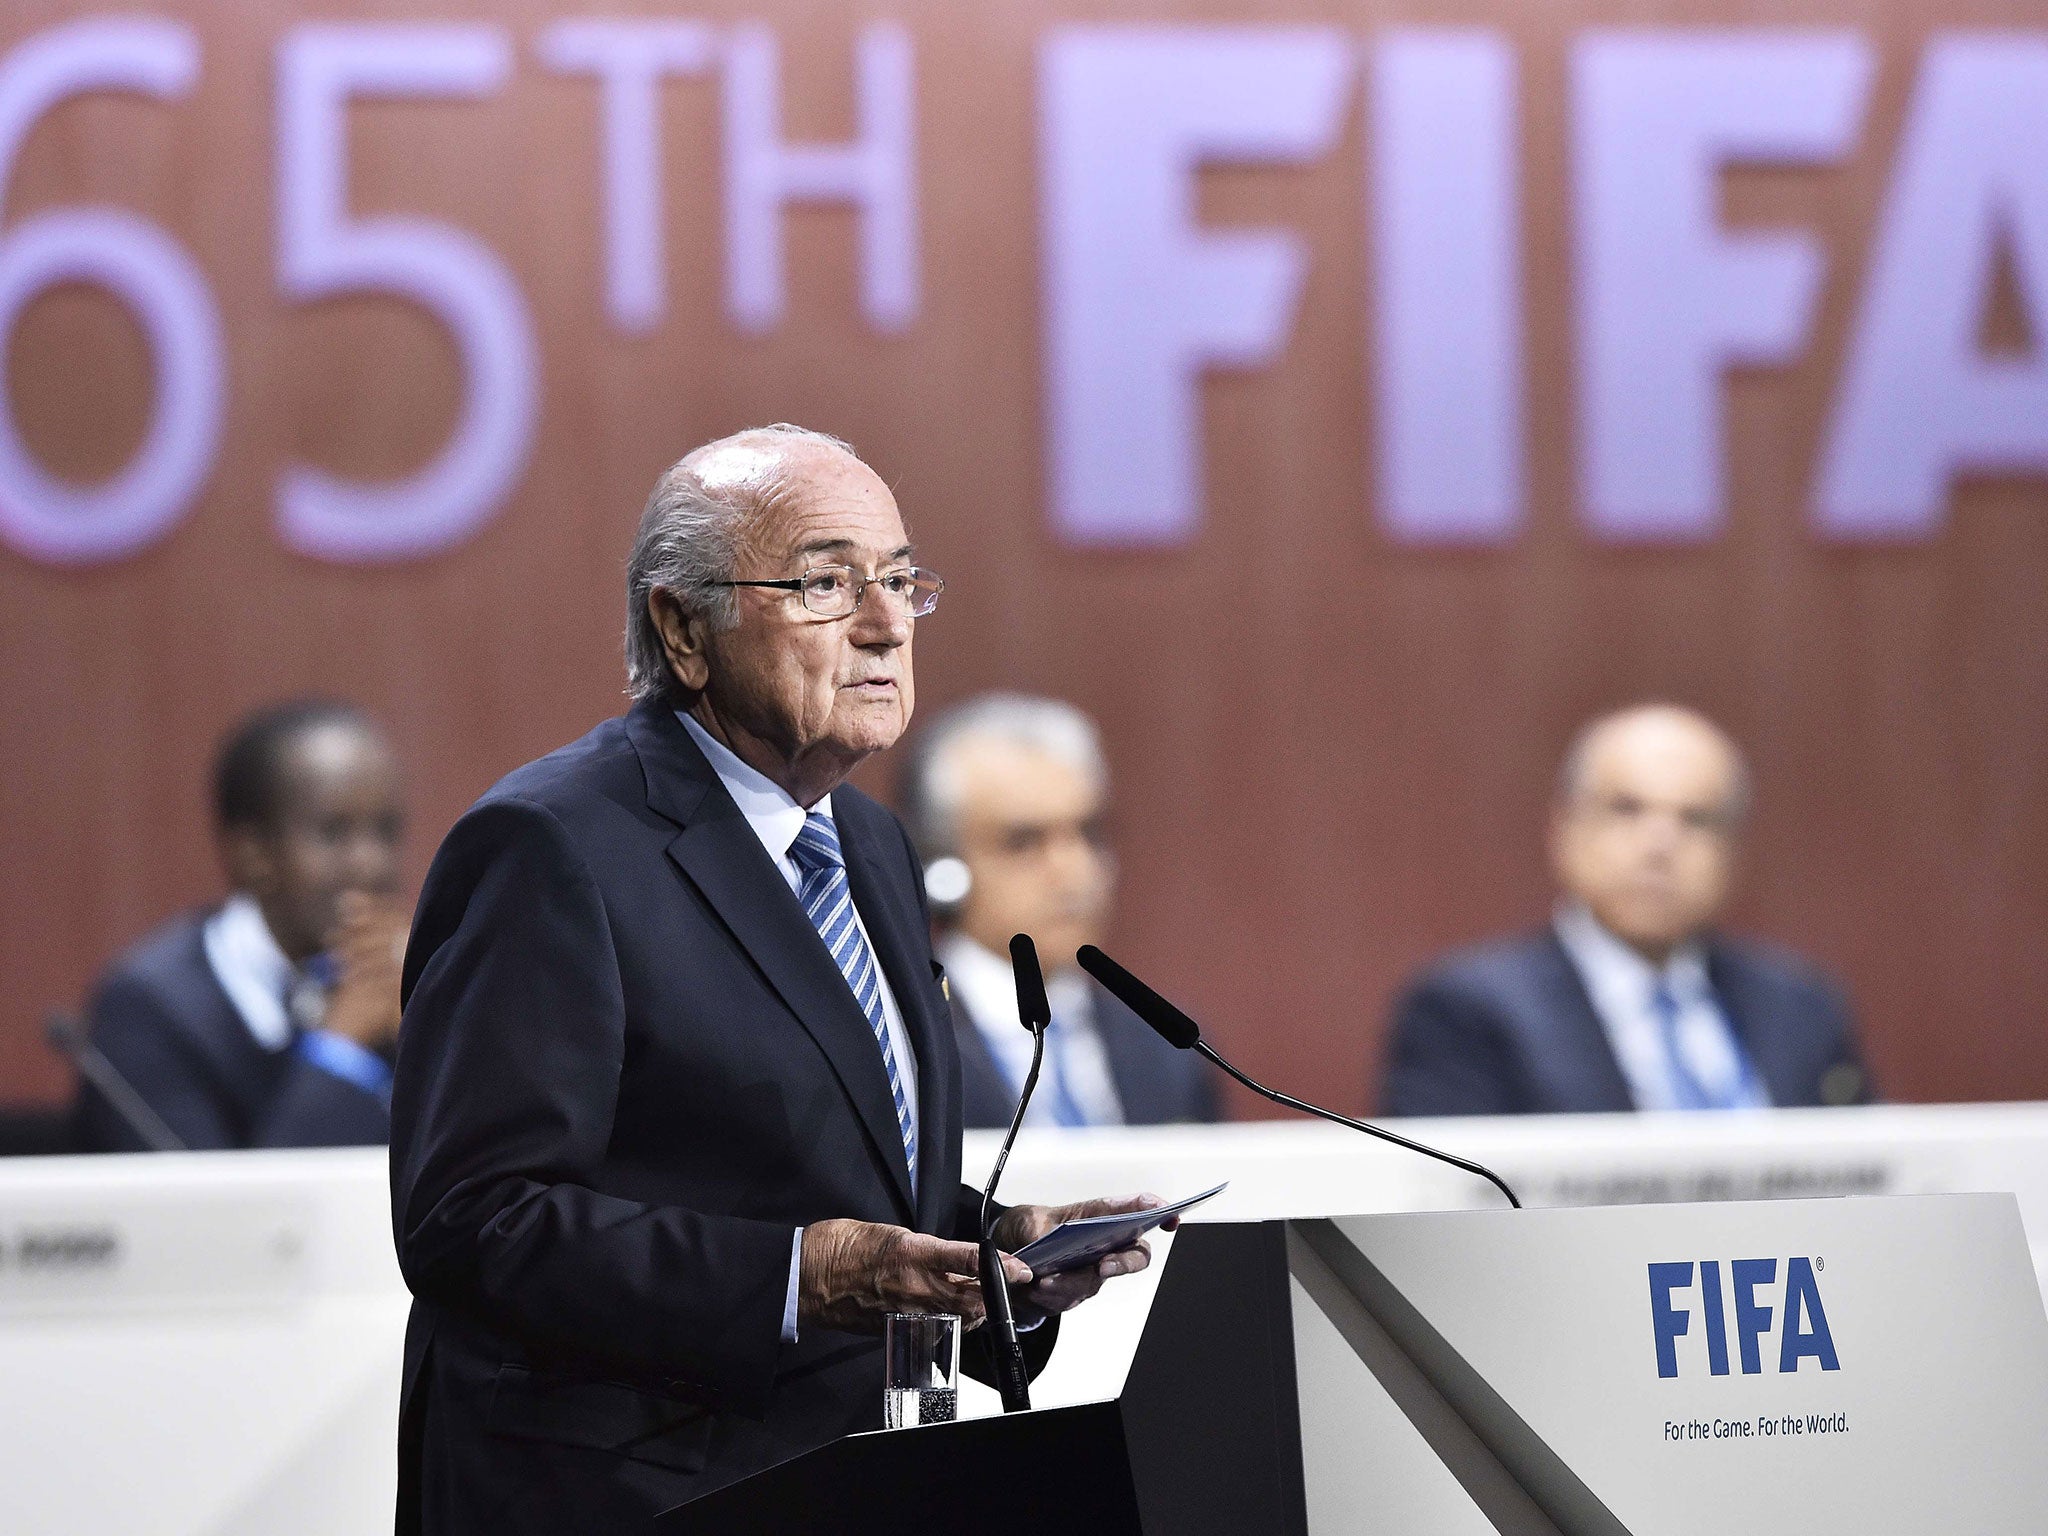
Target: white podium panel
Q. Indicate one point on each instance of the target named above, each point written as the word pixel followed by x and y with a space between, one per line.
pixel 208 1344
pixel 199 1344
pixel 1876 1367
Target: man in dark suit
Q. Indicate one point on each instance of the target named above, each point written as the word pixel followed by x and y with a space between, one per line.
pixel 1630 999
pixel 677 1118
pixel 1006 798
pixel 268 1021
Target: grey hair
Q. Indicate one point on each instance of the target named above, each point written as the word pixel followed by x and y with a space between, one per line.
pixel 1571 772
pixel 689 540
pixel 931 786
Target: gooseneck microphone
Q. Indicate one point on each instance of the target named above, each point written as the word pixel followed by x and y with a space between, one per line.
pixel 65 1035
pixel 1180 1031
pixel 1035 1013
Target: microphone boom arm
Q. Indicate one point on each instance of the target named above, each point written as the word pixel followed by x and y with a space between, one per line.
pixel 1317 1110
pixel 1016 1119
pixel 1181 1032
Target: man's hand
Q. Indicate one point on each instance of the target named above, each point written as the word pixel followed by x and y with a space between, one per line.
pixel 368 948
pixel 852 1273
pixel 1059 1293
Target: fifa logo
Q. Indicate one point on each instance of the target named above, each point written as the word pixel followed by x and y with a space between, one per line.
pixel 1797 1317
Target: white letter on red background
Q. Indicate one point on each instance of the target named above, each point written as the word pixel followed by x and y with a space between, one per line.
pixel 1446 241
pixel 321 251
pixel 1666 300
pixel 1920 402
pixel 630 59
pixel 41 515
pixel 1138 298
pixel 876 172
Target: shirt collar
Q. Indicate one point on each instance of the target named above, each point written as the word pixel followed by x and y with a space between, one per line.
pixel 769 808
pixel 254 972
pixel 976 969
pixel 1608 963
pixel 988 980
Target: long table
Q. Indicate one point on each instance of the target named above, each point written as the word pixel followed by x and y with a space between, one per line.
pixel 208 1344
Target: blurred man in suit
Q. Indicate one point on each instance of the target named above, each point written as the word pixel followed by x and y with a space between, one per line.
pixel 677 1118
pixel 1005 797
pixel 1630 999
pixel 268 1021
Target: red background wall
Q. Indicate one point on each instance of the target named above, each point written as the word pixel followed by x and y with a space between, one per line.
pixel 1332 753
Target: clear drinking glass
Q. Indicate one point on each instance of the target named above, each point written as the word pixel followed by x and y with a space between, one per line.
pixel 921 1364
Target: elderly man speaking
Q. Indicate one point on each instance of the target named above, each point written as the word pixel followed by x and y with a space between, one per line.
pixel 677 1111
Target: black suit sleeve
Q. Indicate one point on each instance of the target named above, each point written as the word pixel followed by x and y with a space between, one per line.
pixel 508 1075
pixel 314 1108
pixel 133 1027
pixel 1447 1058
pixel 1839 1074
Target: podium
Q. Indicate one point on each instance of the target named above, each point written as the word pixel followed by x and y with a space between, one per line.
pixel 1875 1366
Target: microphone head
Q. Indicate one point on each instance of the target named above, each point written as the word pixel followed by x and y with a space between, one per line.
pixel 1171 1025
pixel 1033 1010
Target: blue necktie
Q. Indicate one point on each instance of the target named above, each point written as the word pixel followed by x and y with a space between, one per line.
pixel 828 902
pixel 1066 1109
pixel 1687 1089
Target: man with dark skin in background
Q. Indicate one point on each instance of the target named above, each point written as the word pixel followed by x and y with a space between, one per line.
pixel 269 1020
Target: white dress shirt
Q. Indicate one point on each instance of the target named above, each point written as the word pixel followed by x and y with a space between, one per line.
pixel 776 819
pixel 987 989
pixel 256 975
pixel 1621 984
pixel 267 989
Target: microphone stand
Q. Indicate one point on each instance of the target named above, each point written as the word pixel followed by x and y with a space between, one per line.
pixel 93 1065
pixel 1013 1382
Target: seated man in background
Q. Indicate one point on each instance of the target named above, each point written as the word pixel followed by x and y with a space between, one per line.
pixel 1005 798
pixel 269 1021
pixel 1629 999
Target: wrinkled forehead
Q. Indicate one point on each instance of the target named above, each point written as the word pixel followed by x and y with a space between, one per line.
pixel 822 504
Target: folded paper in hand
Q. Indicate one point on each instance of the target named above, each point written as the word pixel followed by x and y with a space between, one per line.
pixel 1079 1243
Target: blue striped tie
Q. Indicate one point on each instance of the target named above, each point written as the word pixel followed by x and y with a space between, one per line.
pixel 828 902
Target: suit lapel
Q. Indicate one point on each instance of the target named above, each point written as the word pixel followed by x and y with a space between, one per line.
pixel 902 943
pixel 986 1098
pixel 1133 1068
pixel 720 855
pixel 1729 982
pixel 246 1068
pixel 1570 1012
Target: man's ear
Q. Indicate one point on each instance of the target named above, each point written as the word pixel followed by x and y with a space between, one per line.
pixel 684 639
pixel 245 856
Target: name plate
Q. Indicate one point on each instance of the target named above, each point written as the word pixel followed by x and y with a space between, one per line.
pixel 111 1253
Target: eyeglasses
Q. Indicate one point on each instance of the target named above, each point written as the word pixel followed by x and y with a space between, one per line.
pixel 836 591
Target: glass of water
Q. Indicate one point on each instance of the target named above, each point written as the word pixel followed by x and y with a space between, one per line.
pixel 921 1362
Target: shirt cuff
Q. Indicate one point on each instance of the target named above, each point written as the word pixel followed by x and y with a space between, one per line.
pixel 341 1057
pixel 796 1263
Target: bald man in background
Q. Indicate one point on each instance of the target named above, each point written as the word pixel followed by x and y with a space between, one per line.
pixel 1629 998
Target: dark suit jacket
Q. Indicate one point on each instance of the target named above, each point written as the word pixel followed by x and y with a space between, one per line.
pixel 629 1070
pixel 162 1019
pixel 1509 1029
pixel 1156 1084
